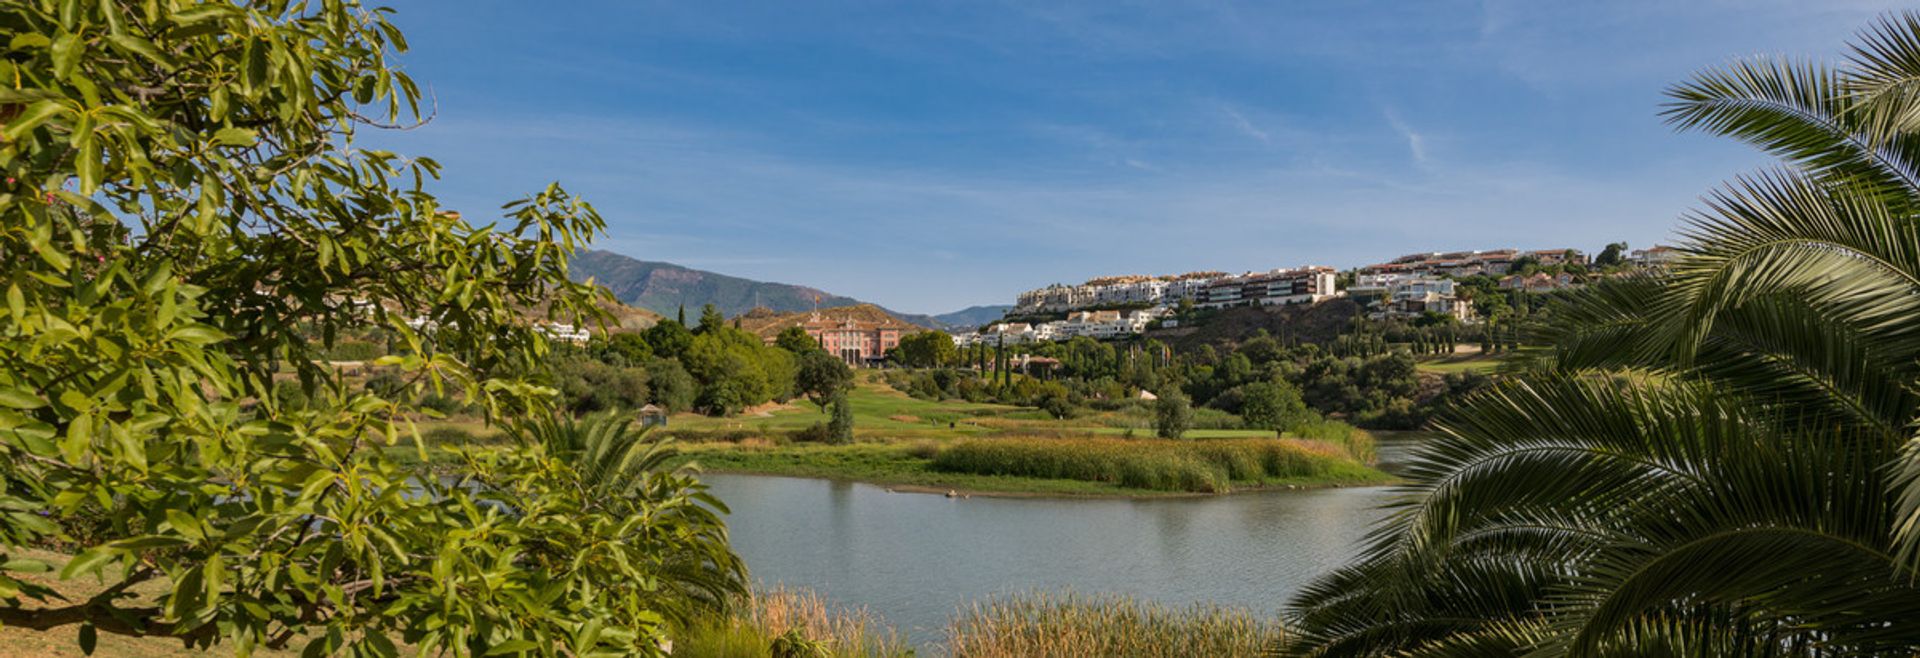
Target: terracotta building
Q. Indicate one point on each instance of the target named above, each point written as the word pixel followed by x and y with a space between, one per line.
pixel 855 341
pixel 859 335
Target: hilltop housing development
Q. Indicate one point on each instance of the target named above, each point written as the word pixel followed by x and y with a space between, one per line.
pixel 1409 286
pixel 1112 307
pixel 1303 285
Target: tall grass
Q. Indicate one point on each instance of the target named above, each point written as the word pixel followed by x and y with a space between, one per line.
pixel 1357 442
pixel 1074 626
pixel 784 623
pixel 1207 466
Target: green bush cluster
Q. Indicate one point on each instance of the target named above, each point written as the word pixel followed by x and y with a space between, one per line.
pixel 1154 464
pixel 356 350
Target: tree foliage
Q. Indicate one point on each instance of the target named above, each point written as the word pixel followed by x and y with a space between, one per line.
pixel 1172 415
pixel 926 349
pixel 184 217
pixel 822 376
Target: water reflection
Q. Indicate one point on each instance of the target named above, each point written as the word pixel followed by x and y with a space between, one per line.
pixel 916 558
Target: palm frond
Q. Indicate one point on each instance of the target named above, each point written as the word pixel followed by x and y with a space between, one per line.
pixel 1796 111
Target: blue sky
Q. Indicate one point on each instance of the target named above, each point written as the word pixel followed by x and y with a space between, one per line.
pixel 934 155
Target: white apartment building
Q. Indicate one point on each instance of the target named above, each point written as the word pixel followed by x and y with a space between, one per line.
pixel 1114 291
pixel 1303 285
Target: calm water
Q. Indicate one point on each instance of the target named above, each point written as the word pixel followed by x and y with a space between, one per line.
pixel 916 558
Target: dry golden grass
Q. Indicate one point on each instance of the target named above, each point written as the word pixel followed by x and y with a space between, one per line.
pixel 1074 626
pixel 777 615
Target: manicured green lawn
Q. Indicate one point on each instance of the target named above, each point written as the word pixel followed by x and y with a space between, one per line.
pixel 1444 365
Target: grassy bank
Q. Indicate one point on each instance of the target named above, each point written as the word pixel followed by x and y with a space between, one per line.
pixel 1073 626
pixel 888 464
pixel 1192 466
pixel 785 623
pixel 1052 466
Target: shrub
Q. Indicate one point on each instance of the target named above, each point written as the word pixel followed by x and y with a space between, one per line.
pixel 446 436
pixel 356 350
pixel 1172 415
pixel 840 429
pixel 815 433
pixel 925 449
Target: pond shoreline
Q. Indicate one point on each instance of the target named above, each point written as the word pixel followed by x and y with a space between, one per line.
pixel 1141 493
pixel 894 468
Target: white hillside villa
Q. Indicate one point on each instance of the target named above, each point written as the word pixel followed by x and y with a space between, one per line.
pixel 1099 325
pixel 1400 295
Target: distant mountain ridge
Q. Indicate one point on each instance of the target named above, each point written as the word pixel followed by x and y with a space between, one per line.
pixel 665 287
pixel 972 316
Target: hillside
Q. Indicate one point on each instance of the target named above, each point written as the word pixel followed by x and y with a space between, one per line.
pixel 665 287
pixel 1316 323
pixel 971 317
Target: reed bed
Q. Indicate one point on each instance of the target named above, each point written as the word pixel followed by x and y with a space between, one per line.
pixel 1355 441
pixel 1073 626
pixel 786 623
pixel 1206 466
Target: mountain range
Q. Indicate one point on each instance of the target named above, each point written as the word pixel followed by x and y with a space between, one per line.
pixel 665 288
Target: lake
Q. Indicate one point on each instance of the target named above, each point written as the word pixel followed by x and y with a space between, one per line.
pixel 915 559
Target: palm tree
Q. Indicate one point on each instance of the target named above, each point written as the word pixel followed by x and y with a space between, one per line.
pixel 623 470
pixel 1714 460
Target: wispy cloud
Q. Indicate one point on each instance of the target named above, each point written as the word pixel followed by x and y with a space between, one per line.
pixel 1416 142
pixel 1240 121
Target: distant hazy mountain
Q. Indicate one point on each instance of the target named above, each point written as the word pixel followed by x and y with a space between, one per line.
pixel 972 316
pixel 665 287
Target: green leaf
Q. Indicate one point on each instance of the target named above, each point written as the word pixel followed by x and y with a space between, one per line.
pixel 198 334
pixel 16 303
pixel 88 638
pixel 34 115
pixel 87 162
pixel 185 524
pixel 25 40
pixel 205 12
pixel 512 647
pixel 66 54
pixel 234 137
pixel 20 399
pixel 24 565
pixel 88 561
pixel 141 47
pixel 148 542
pixel 253 75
